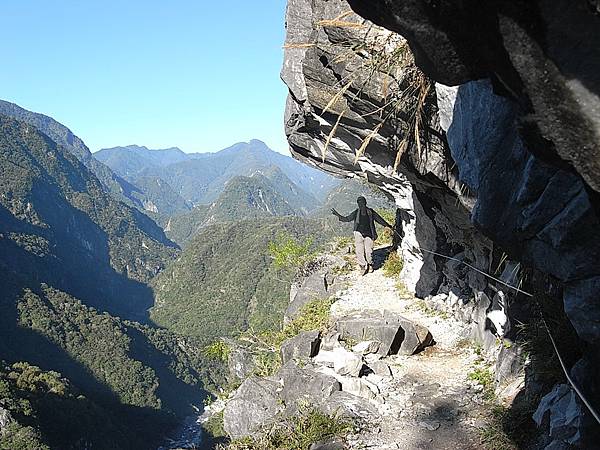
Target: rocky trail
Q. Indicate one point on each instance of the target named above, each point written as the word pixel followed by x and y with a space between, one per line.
pixel 429 402
pixel 398 369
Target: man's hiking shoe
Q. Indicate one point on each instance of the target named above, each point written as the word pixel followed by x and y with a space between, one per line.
pixel 366 271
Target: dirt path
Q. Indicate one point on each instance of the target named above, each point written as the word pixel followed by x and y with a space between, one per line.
pixel 429 403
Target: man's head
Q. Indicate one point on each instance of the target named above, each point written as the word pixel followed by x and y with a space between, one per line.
pixel 362 202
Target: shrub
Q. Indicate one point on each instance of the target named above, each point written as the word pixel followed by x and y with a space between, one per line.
pixel 296 432
pixel 289 253
pixel 393 265
pixel 214 426
pixel 217 350
pixel 342 242
pixel 266 346
pixel 386 236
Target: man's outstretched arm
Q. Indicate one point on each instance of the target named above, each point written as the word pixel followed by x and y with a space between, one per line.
pixel 380 220
pixel 348 218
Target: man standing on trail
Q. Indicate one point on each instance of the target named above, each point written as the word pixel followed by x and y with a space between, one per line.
pixel 364 232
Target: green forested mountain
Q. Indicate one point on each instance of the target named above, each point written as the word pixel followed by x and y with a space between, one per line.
pixel 143 193
pixel 252 197
pixel 132 161
pixel 136 380
pixel 78 271
pixel 59 226
pixel 69 254
pixel 343 198
pixel 224 281
pixel 158 199
pixel 60 134
pixel 200 178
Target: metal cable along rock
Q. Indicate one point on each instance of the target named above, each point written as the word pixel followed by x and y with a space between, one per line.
pixel 560 359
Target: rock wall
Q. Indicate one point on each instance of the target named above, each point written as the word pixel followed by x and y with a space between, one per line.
pixel 499 170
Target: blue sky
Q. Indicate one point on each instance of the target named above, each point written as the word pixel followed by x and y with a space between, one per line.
pixel 190 73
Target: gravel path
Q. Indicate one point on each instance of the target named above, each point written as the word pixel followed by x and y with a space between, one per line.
pixel 429 403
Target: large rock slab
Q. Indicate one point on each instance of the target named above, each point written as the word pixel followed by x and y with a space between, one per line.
pixel 5 419
pixel 366 347
pixel 319 283
pixel 253 405
pixel 303 346
pixel 305 385
pixel 239 362
pixel 396 334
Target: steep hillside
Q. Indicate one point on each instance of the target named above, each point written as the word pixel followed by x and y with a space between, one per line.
pixel 137 381
pixel 60 134
pixel 248 198
pixel 70 253
pixel 158 199
pixel 224 280
pixel 294 194
pixel 58 226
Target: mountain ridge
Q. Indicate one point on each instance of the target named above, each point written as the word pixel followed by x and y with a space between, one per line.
pixel 200 177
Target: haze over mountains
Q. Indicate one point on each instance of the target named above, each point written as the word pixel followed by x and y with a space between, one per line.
pixel 199 178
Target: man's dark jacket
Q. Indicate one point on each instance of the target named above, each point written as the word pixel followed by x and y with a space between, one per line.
pixel 373 217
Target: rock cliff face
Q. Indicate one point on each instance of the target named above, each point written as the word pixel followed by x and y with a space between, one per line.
pixel 499 170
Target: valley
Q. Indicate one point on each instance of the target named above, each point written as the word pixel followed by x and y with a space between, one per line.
pixel 115 278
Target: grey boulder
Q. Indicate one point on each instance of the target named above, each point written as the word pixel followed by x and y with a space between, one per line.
pixel 345 404
pixel 303 384
pixel 343 361
pixel 560 410
pixel 254 404
pixel 396 334
pixel 303 346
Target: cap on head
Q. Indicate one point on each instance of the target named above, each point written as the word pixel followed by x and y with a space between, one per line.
pixel 361 200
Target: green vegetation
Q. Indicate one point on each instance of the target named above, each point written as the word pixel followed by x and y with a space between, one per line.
pixel 288 253
pixel 342 242
pixel 46 411
pixel 225 281
pixel 265 347
pixel 506 427
pixel 60 134
pixel 422 306
pixel 214 427
pixel 218 350
pixel 484 377
pixel 141 376
pixel 393 265
pixel 59 226
pixel 242 198
pixel 343 198
pixel 297 432
pixel 200 178
pixel 386 235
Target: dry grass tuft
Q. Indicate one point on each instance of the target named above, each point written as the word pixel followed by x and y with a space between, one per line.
pixel 400 151
pixel 366 142
pixel 340 23
pixel 299 45
pixel 331 134
pixel 338 95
